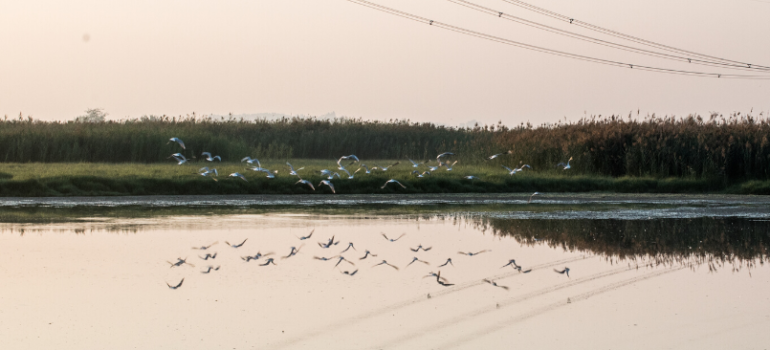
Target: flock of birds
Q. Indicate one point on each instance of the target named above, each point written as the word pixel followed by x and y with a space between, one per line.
pixel 351 159
pixel 266 259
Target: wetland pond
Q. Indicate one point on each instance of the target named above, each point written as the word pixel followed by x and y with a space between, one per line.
pixel 647 271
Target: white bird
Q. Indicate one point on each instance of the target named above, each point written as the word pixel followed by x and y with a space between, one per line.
pixel 516 170
pixel 327 183
pixel 392 181
pixel 293 172
pixel 566 166
pixel 239 175
pixel 450 167
pixel 251 161
pixel 206 172
pixel 350 176
pixel 306 182
pixel 368 171
pixel 443 155
pixel 331 177
pixel 179 158
pixel 434 168
pixel 210 158
pixel 424 173
pixel 497 155
pixel 177 140
pixel 270 174
pixel 325 172
pixel 352 156
pixel 530 197
pixel 471 177
pixel 389 166
pixel 414 164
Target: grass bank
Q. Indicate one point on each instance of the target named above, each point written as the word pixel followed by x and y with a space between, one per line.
pixel 100 179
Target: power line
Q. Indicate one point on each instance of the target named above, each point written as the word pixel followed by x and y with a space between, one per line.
pixel 597 41
pixel 550 51
pixel 617 34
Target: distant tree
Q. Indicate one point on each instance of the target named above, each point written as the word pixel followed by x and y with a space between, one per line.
pixel 93 115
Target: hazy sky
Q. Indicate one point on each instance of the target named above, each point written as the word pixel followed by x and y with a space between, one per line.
pixel 317 56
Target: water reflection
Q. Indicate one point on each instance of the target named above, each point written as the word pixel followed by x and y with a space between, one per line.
pixel 715 241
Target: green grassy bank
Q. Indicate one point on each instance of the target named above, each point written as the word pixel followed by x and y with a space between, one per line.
pixel 99 179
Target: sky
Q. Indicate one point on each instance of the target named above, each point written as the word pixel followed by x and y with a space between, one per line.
pixel 312 57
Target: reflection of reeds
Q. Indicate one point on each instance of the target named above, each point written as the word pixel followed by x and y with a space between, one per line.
pixel 715 242
pixel 736 147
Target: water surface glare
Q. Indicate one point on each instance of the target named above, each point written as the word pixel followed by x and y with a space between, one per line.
pixel 635 282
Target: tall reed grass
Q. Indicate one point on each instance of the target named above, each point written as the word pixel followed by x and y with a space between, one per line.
pixel 727 148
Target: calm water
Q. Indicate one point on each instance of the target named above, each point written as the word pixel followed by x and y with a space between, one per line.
pixel 656 272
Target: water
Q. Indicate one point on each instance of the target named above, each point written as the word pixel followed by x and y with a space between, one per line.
pixel 654 272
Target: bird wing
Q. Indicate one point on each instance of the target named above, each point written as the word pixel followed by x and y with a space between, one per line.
pixel 179 285
pixel 402 235
pixel 386 237
pixel 463 253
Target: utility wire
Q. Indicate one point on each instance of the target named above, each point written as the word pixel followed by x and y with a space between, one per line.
pixel 611 32
pixel 597 41
pixel 551 51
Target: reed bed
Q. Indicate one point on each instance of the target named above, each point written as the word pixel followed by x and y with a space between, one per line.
pixel 731 149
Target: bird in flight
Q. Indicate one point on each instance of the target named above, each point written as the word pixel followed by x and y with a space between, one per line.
pixel 565 271
pixel 255 257
pixel 420 247
pixel 179 158
pixel 393 239
pixel 366 169
pixel 328 183
pixel 439 280
pixel 433 274
pixel 176 286
pixel 306 182
pixel 443 155
pixel 237 245
pixel 350 273
pixel 350 245
pixel 367 254
pixel 339 161
pixel 204 247
pixel 206 172
pixel 389 166
pixel 308 236
pixel 208 270
pixel 177 140
pixel 414 164
pixel 525 271
pixel 418 260
pixel 328 244
pixel 324 258
pixel 424 173
pixel 471 177
pixel 448 261
pixel 511 263
pixel 251 161
pixel 499 154
pixel 530 197
pixel 268 262
pixel 210 158
pixel 495 284
pixel 449 167
pixel 239 175
pixel 208 256
pixel 392 181
pixel 293 252
pixel 565 166
pixel 386 263
pixel 341 259
pixel 476 253
pixel 292 171
pixel 180 262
